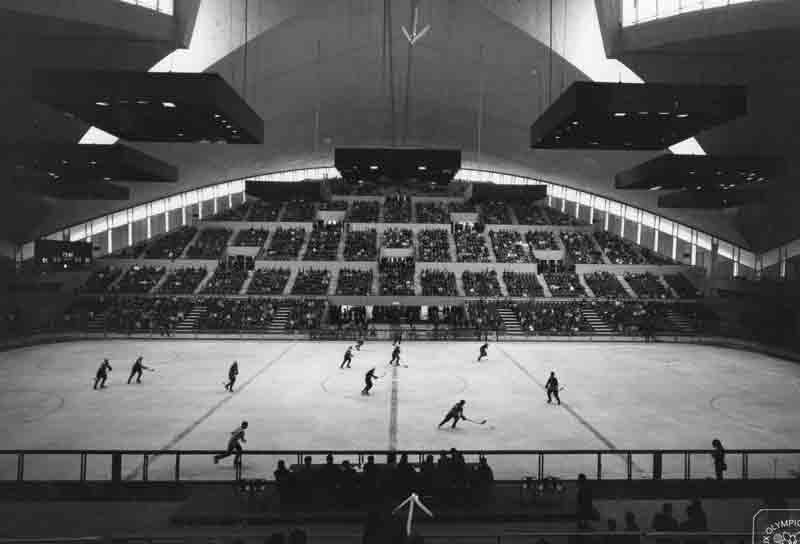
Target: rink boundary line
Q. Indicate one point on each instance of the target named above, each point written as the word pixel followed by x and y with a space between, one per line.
pixel 393 409
pixel 210 412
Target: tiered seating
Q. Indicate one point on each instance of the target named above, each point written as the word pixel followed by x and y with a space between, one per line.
pixel 227 280
pixel 530 213
pixel 438 283
pixel 311 282
pixel 299 210
pixel 484 316
pixel 237 213
pixel 285 245
pixel 617 249
pixel 269 281
pixel 651 257
pixel 481 284
pixel 364 211
pixel 554 318
pixel 432 212
pixel 557 217
pixel 508 247
pixel 183 281
pixel 396 276
pixel 647 286
pixel 210 244
pixel 580 248
pixel 251 237
pixel 139 314
pixel 305 314
pixel 139 279
pixel 171 245
pixel 605 284
pixel 631 317
pixel 564 284
pixel 682 286
pixel 462 207
pixel 522 284
pixel 264 211
pixel 130 252
pixel 397 209
pixel 434 246
pixel 226 314
pixel 354 282
pixel 470 246
pixel 495 213
pixel 542 240
pixel 397 238
pixel 348 316
pixel 324 242
pixel 361 245
pixel 396 314
pixel 100 279
pixel 334 205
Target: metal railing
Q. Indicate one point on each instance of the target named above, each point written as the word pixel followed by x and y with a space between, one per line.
pixel 641 11
pixel 508 465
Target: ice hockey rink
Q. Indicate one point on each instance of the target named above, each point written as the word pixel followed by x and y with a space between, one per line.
pixel 617 396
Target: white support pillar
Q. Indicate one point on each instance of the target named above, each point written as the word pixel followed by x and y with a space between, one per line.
pixel 591 211
pixel 694 247
pixel 149 225
pixel 639 230
pixel 675 242
pixel 166 219
pixel 110 242
pixel 622 214
pixel 130 227
pixel 605 225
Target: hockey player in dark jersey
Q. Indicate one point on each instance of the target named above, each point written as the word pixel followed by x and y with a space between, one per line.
pixel 136 370
pixel 348 356
pixel 395 360
pixel 455 414
pixel 233 371
pixel 368 378
pixel 102 374
pixel 484 348
pixel 552 389
pixel 234 445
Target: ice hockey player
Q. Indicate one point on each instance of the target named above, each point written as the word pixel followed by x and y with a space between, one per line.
pixel 368 378
pixel 234 445
pixel 233 371
pixel 348 357
pixel 395 360
pixel 552 389
pixel 102 374
pixel 484 348
pixel 136 370
pixel 456 413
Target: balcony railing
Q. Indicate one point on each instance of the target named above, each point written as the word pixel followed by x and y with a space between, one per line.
pixel 635 12
pixel 162 6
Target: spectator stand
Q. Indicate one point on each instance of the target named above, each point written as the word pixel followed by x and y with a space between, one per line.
pixel 361 245
pixel 286 244
pixel 434 245
pixel 209 244
pixel 269 281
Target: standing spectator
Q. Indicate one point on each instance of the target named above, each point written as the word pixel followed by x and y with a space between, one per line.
pixel 283 482
pixel 611 528
pixel 585 501
pixel 631 527
pixel 664 522
pixel 718 455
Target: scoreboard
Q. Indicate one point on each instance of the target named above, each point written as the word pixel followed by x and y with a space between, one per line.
pixel 62 255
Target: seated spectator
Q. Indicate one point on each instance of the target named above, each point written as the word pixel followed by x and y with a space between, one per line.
pixel 348 317
pixel 354 282
pixel 565 284
pixel 285 245
pixel 618 250
pixel 433 246
pixel 495 213
pixel 462 207
pixel 364 211
pixel 334 205
pixel 132 252
pixel 552 318
pixel 530 213
pixel 521 284
pixel 269 281
pixel 209 244
pixel 542 240
pixel 139 279
pixel 251 237
pixel 438 283
pixel 470 245
pixel 264 211
pixel 299 210
pixel 397 238
pixel 631 317
pixel 170 245
pixel 139 314
pixel 651 257
pixel 396 276
pixel 580 247
pixel 311 282
pixel 484 317
pixel 605 284
pixel 324 242
pixel 647 286
pixel 183 281
pixel 682 286
pixel 101 278
pixel 508 247
pixel 228 314
pixel 396 314
pixel 227 280
pixel 397 209
pixel 432 212
pixel 481 284
pixel 305 314
pixel 361 245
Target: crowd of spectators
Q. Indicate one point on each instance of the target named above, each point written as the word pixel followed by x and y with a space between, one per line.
pixel 269 281
pixel 209 244
pixel 101 279
pixel 580 247
pixel 631 317
pixel 261 210
pixel 557 217
pixel 495 213
pixel 564 284
pixel 139 279
pixel 618 250
pixel 462 207
pixel 484 316
pixel 651 257
pixel 228 279
pixel 229 314
pixel 170 245
pixel 398 238
pixel 312 282
pixel 285 245
pixel 131 252
pixel 139 314
pixel 481 284
pixel 397 209
pixel 647 285
pixel 396 314
pixel 299 210
pixel 251 237
pixel 682 286
pixel 324 242
pixel 531 213
pixel 553 318
pixel 433 246
pixel 364 211
pixel 348 316
pixel 451 316
pixel 237 213
pixel 182 281
pixel 396 276
pixel 354 282
pixel 334 205
pixel 542 240
pixel 305 314
pixel 432 212
pixel 509 247
pixel 470 245
pixel 605 284
pixel 438 283
pixel 522 284
pixel 361 245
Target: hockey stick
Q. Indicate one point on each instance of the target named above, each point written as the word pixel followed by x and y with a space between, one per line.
pixel 481 422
